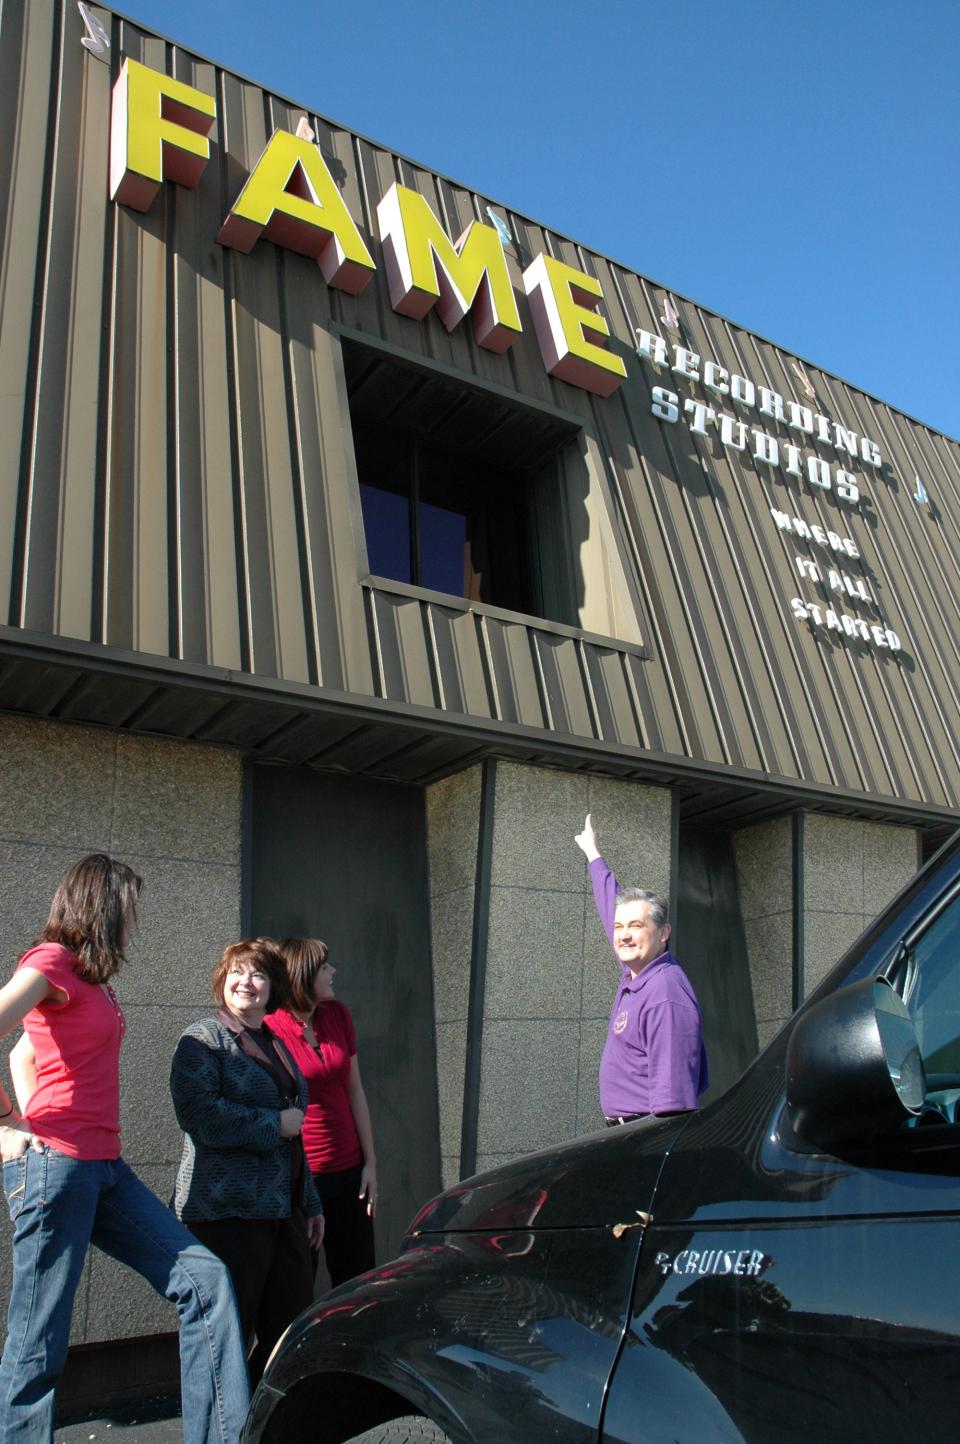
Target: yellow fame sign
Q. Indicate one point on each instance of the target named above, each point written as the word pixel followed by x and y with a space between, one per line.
pixel 159 131
pixel 425 269
pixel 291 198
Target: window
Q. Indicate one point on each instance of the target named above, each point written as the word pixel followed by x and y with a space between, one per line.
pixel 931 983
pixel 462 492
pixel 433 519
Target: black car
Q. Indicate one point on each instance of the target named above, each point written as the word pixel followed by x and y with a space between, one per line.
pixel 780 1265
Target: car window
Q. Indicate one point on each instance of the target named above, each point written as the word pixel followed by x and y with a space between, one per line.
pixel 929 978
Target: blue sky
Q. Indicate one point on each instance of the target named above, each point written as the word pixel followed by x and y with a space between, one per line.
pixel 793 166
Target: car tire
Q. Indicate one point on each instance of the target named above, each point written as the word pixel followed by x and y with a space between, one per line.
pixel 411 1429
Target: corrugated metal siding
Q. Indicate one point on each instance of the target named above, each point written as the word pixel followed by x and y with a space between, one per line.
pixel 177 476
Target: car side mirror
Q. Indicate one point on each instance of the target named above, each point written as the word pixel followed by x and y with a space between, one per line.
pixel 854 1068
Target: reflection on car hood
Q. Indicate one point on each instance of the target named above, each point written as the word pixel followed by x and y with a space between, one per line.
pixel 591 1182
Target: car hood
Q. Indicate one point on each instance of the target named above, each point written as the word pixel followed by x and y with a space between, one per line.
pixel 599 1180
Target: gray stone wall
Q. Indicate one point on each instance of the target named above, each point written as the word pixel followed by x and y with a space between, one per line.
pixel 453 822
pixel 172 811
pixel 851 870
pixel 550 974
pixel 764 862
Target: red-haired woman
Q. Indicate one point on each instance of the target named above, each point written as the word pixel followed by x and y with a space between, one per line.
pixel 337 1133
pixel 67 1186
pixel 243 1188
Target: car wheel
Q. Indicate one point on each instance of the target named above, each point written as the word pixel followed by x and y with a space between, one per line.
pixel 411 1429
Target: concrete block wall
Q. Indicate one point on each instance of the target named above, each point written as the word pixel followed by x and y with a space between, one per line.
pixel 549 971
pixel 764 863
pixel 172 811
pixel 453 822
pixel 851 870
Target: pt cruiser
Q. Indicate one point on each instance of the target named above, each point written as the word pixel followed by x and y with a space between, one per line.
pixel 782 1264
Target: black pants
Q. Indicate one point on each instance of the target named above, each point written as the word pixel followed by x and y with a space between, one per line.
pixel 270 1265
pixel 348 1230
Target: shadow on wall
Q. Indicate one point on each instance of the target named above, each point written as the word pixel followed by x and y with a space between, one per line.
pixel 344 859
pixel 711 944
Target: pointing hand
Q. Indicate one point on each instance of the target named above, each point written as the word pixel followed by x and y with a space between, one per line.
pixel 587 840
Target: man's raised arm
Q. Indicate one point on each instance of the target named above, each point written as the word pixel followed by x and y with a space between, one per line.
pixel 603 879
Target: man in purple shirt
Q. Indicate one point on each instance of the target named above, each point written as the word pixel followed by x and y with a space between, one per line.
pixel 654 1060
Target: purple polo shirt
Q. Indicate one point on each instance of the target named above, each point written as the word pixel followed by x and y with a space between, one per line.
pixel 654 1060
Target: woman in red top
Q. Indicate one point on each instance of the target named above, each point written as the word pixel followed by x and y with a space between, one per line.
pixel 67 1186
pixel 337 1135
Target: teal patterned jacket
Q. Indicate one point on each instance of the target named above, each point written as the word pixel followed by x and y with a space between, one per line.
pixel 234 1164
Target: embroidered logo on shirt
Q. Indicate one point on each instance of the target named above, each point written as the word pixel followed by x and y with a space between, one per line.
pixel 620 1022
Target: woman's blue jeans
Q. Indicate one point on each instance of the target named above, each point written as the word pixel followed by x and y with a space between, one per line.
pixel 59 1205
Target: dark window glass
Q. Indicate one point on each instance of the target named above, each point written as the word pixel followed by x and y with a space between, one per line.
pixel 386 523
pixel 934 1000
pixel 443 549
pixel 441 522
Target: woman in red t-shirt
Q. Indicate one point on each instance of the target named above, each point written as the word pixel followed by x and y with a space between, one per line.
pixel 337 1135
pixel 67 1186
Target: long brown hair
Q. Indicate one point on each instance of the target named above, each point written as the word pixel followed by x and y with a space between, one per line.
pixel 93 909
pixel 304 958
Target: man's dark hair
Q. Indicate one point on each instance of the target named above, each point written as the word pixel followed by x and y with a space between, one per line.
pixel 659 909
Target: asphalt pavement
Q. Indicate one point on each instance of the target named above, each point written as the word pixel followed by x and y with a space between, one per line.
pixel 153 1421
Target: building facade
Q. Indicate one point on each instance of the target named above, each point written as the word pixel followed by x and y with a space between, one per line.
pixel 358 535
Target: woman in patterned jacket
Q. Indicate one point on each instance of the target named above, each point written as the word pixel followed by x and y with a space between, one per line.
pixel 242 1188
